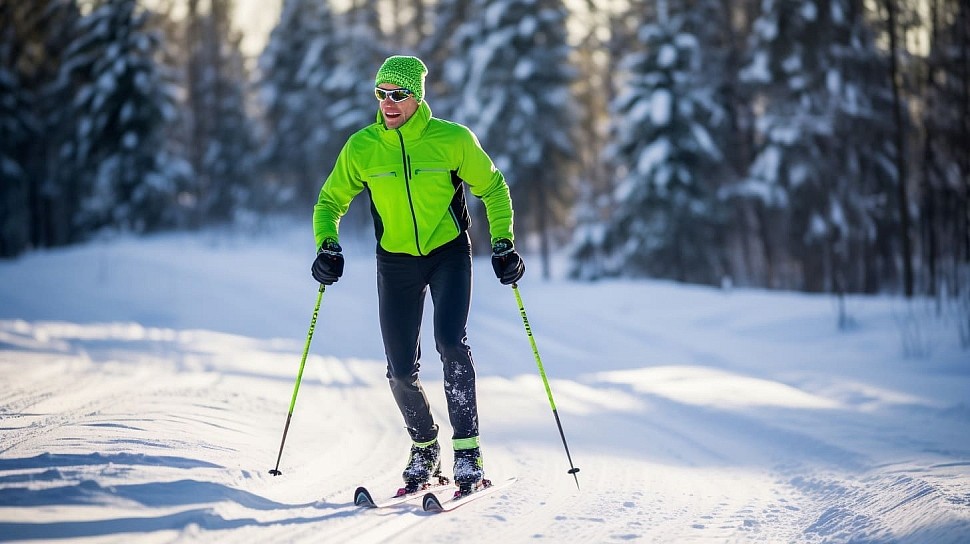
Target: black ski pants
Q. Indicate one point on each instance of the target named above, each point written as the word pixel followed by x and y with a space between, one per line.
pixel 402 282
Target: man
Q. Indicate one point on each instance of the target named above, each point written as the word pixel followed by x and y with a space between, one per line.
pixel 414 168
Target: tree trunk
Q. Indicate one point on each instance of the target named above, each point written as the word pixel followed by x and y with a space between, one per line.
pixel 963 158
pixel 900 140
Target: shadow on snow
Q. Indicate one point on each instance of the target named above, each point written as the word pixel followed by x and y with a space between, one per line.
pixel 152 495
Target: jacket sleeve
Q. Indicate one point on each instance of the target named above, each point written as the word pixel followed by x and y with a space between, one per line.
pixel 487 183
pixel 340 188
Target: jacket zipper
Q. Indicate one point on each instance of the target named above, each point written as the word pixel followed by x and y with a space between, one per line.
pixel 406 160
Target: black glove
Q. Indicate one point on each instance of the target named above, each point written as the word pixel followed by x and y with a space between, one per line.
pixel 329 264
pixel 506 262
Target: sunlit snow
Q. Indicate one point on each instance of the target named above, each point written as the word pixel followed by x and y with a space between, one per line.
pixel 146 383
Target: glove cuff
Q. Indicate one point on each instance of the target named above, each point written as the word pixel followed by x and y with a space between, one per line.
pixel 502 247
pixel 329 246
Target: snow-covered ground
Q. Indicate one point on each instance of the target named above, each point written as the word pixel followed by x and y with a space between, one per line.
pixel 145 384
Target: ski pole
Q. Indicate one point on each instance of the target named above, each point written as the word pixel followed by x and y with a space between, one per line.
pixel 545 381
pixel 299 377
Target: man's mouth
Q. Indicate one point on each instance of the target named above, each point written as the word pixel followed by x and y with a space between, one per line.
pixel 391 114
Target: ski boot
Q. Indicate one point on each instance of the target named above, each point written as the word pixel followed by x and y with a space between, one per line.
pixel 469 471
pixel 424 463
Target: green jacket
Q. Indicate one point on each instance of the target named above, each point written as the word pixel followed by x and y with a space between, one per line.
pixel 414 176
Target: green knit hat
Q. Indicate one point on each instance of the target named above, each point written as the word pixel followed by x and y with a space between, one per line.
pixel 403 71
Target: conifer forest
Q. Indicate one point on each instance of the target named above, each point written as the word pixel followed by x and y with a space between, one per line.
pixel 807 145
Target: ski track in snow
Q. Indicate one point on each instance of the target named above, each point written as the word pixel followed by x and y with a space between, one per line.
pixel 154 414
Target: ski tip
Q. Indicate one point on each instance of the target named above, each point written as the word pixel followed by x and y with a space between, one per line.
pixel 430 503
pixel 362 498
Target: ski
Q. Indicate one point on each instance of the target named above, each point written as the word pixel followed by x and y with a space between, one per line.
pixel 431 502
pixel 363 497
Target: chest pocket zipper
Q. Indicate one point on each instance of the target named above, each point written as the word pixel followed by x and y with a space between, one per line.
pixel 383 175
pixel 430 171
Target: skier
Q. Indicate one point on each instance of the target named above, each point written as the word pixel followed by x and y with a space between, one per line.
pixel 414 167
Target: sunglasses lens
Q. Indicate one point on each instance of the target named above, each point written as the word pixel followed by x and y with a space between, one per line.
pixel 397 95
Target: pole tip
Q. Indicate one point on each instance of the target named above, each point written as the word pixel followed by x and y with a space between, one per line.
pixel 275 472
pixel 572 470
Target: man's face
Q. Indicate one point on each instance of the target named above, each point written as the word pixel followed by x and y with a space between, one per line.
pixel 396 113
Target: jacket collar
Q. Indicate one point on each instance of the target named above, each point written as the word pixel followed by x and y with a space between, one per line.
pixel 413 127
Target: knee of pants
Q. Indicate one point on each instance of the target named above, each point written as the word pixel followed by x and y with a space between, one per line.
pixel 455 353
pixel 397 377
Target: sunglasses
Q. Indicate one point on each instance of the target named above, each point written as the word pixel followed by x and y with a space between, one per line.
pixel 397 95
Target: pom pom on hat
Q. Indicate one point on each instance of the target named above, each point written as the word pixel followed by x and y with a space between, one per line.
pixel 403 71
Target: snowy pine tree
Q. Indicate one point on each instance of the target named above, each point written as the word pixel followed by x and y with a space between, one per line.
pixel 35 36
pixel 317 88
pixel 825 164
pixel 299 59
pixel 945 168
pixel 449 17
pixel 221 136
pixel 610 34
pixel 349 88
pixel 120 108
pixel 512 80
pixel 666 218
pixel 18 126
pixel 350 85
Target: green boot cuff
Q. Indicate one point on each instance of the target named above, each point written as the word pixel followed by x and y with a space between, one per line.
pixel 465 443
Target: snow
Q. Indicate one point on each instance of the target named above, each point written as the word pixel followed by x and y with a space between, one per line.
pixel 654 156
pixel 661 103
pixel 667 55
pixel 766 28
pixel 809 11
pixel 704 141
pixel 757 71
pixel 792 64
pixel 147 381
pixel 527 26
pixel 833 81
